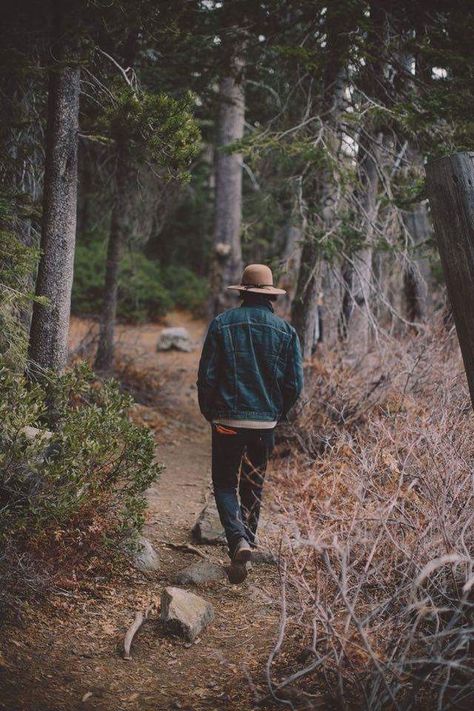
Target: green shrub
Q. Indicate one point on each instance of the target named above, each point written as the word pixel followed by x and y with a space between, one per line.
pixel 71 498
pixel 85 484
pixel 188 290
pixel 146 290
pixel 88 285
pixel 142 295
pixel 17 262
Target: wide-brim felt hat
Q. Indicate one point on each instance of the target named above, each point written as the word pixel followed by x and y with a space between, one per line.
pixel 257 279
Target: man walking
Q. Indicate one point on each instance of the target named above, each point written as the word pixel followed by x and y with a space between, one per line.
pixel 250 375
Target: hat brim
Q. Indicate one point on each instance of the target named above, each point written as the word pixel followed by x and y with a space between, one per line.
pixel 256 289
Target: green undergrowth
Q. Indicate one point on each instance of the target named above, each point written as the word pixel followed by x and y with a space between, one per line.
pixel 74 494
pixel 147 291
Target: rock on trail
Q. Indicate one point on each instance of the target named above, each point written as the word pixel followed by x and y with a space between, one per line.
pixel 208 528
pixel 184 613
pixel 145 557
pixel 176 338
pixel 204 571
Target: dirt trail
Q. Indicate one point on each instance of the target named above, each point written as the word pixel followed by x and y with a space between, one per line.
pixel 66 656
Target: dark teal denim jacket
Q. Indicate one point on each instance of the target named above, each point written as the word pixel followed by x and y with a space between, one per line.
pixel 251 365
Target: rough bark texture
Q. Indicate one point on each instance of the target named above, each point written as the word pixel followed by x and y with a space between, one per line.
pixel 358 314
pixel 120 228
pixel 450 185
pixel 50 324
pixel 415 289
pixel 227 257
pixel 305 305
pixel 416 273
pixel 291 263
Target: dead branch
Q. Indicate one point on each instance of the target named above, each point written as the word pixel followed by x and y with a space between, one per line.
pixel 186 548
pixel 140 618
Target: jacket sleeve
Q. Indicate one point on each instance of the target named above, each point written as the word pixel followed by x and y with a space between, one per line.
pixel 208 371
pixel 293 380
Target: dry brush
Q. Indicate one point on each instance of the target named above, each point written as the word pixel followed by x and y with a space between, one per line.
pixel 376 512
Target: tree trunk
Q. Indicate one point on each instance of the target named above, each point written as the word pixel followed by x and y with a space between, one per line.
pixel 347 303
pixel 416 272
pixel 418 228
pixel 450 183
pixel 292 247
pixel 290 262
pixel 120 228
pixel 305 312
pixel 358 315
pixel 226 265
pixel 50 323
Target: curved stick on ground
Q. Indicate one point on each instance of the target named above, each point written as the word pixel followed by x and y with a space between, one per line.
pixel 140 618
pixel 186 548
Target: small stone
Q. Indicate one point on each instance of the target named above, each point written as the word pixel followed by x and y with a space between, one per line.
pixel 145 557
pixel 203 571
pixel 208 527
pixel 176 338
pixel 32 433
pixel 183 613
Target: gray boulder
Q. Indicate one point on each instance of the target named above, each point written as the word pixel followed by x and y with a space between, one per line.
pixel 203 571
pixel 208 527
pixel 184 614
pixel 176 338
pixel 145 557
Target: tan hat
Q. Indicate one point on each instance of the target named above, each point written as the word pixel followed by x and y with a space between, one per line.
pixel 258 279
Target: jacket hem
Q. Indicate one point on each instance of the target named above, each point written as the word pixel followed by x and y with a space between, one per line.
pixel 247 415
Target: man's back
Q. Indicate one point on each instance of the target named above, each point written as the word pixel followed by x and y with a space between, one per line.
pixel 250 374
pixel 251 364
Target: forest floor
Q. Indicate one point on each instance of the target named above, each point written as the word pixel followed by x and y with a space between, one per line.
pixel 66 654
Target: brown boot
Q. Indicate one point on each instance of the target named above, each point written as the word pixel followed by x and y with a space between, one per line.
pixel 237 570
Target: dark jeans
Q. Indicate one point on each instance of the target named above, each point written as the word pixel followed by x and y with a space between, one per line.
pixel 245 452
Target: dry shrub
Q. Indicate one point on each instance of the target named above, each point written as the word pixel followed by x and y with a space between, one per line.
pixel 376 509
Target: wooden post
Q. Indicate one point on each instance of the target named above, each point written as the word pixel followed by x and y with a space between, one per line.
pixel 450 185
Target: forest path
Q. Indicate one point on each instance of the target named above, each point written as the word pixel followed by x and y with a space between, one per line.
pixel 68 657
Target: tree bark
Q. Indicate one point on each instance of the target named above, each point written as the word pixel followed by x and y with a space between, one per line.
pixel 226 265
pixel 418 229
pixel 120 228
pixel 358 315
pixel 304 312
pixel 450 182
pixel 50 323
pixel 416 272
pixel 290 263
